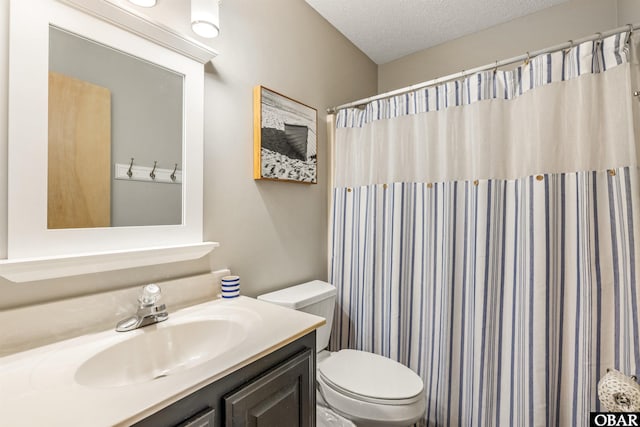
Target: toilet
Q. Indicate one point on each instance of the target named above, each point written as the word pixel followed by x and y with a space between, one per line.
pixel 354 387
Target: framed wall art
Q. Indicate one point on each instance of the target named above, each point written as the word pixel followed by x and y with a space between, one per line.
pixel 284 137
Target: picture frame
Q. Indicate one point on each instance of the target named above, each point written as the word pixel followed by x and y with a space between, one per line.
pixel 285 138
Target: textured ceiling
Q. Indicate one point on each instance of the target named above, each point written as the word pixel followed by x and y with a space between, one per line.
pixel 390 29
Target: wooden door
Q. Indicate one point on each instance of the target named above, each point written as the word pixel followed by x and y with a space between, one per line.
pixel 79 174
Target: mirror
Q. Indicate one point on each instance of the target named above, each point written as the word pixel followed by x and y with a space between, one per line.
pixel 112 118
pixel 34 27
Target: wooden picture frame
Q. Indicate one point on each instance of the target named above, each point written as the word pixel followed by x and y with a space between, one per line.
pixel 285 138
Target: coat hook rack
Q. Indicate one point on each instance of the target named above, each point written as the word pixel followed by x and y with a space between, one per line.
pixel 155 174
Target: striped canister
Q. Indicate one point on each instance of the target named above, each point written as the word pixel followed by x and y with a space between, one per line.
pixel 230 286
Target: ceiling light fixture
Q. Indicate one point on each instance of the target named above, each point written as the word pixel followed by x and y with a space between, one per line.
pixel 205 18
pixel 144 3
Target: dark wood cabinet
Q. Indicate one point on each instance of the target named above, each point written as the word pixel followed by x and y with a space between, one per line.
pixel 277 390
pixel 282 397
pixel 205 418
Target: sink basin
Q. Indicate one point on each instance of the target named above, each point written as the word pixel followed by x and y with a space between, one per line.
pixel 160 350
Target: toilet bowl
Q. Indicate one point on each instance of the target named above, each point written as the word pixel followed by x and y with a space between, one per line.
pixel 325 417
pixel 354 386
pixel 369 389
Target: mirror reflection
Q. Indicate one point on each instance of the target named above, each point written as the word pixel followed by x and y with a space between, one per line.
pixel 115 137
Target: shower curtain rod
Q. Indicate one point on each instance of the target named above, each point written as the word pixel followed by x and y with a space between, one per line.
pixel 497 64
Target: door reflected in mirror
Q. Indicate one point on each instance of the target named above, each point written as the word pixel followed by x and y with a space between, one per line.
pixel 115 137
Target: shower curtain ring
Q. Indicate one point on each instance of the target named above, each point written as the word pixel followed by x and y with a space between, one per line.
pixel 526 61
pixel 567 50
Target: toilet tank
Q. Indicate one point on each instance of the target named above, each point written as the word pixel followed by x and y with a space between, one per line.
pixel 315 297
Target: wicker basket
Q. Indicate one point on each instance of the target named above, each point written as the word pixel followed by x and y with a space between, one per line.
pixel 618 392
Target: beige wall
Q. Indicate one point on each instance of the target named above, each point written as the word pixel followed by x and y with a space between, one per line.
pixel 271 234
pixel 628 12
pixel 549 27
pixel 274 234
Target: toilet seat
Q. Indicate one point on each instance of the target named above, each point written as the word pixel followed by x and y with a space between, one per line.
pixel 351 383
pixel 370 378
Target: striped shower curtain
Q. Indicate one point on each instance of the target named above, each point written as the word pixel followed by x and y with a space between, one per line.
pixel 484 233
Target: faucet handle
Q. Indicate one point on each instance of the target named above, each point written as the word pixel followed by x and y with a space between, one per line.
pixel 150 295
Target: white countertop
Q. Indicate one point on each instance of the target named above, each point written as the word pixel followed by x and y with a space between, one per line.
pixel 38 387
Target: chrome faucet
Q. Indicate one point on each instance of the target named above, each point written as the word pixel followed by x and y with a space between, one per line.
pixel 149 311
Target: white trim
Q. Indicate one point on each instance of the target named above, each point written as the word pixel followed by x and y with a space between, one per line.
pixel 128 19
pixel 28 235
pixel 30 269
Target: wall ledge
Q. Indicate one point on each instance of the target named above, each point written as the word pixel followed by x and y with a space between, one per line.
pixel 32 269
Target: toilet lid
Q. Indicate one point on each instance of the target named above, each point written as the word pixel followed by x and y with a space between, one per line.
pixel 370 376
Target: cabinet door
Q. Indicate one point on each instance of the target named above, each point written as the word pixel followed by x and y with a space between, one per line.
pixel 284 396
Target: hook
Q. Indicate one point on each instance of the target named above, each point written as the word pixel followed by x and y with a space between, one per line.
pixel 526 61
pixel 153 171
pixel 599 39
pixel 173 174
pixel 567 50
pixel 495 69
pixel 130 172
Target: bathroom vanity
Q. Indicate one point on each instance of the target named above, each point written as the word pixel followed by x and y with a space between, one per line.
pixel 221 363
pixel 218 362
pixel 277 389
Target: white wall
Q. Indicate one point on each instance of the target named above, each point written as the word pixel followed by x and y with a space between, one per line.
pixel 272 234
pixel 549 27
